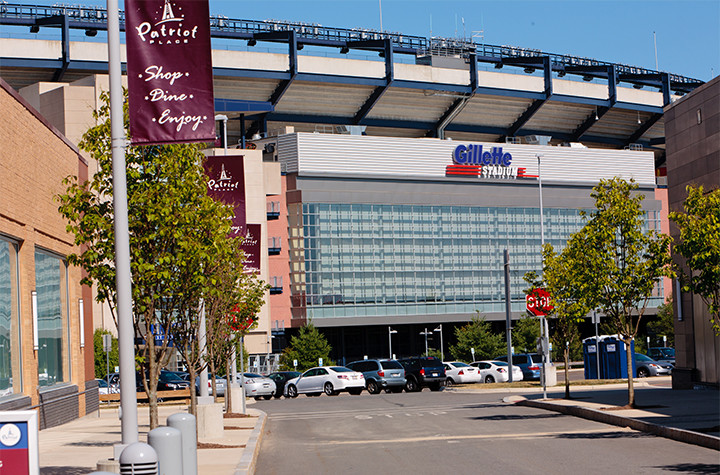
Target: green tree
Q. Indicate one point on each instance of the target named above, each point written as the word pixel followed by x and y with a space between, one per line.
pixel 569 306
pixel 525 333
pixel 620 263
pixel 306 347
pixel 699 245
pixel 477 334
pixel 174 230
pixel 662 325
pixel 101 359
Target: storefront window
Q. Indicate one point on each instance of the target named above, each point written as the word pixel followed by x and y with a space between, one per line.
pixel 9 350
pixel 51 287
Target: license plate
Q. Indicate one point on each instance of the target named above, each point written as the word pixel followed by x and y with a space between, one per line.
pixel 266 385
pixel 435 374
pixel 395 374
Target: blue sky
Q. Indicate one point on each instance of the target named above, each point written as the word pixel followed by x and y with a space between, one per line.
pixel 687 31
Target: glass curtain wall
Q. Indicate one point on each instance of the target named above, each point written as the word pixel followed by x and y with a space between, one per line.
pixel 52 301
pixel 363 260
pixel 10 372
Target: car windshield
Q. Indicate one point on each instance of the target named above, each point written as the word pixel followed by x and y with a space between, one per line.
pixel 667 352
pixel 168 376
pixel 640 357
pixel 341 369
pixel 252 375
pixel 390 365
pixel 459 364
pixel 499 363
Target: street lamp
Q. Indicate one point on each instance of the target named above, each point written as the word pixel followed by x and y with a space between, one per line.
pixel 439 329
pixel 426 333
pixel 543 320
pixel 390 334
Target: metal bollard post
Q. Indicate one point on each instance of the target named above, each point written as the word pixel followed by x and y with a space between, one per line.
pixel 168 444
pixel 138 459
pixel 186 424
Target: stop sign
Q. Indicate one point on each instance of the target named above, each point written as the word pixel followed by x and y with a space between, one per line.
pixel 538 302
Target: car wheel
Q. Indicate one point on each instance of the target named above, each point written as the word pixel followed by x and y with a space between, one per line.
pixel 329 390
pixel 435 386
pixel 373 387
pixel 267 397
pixel 411 386
pixel 643 373
pixel 449 382
pixel 489 379
pixel 292 391
pixel 355 392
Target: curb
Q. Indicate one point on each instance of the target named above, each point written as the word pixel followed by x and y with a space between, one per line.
pixel 246 466
pixel 681 435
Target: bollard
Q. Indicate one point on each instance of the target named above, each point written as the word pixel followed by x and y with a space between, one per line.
pixel 138 459
pixel 168 445
pixel 187 426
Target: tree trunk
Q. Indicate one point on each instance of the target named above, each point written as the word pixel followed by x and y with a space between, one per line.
pixel 193 395
pixel 228 395
pixel 631 387
pixel 566 356
pixel 152 380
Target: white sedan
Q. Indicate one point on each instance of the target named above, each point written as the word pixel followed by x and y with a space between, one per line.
pixel 496 371
pixel 328 379
pixel 257 386
pixel 460 373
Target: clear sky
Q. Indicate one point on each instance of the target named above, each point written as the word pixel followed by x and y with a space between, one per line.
pixel 687 32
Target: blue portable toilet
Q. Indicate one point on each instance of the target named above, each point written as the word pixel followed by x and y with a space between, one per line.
pixel 613 358
pixel 590 354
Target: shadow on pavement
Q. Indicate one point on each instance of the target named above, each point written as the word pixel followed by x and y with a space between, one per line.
pixel 517 418
pixel 690 468
pixel 65 470
pixel 606 435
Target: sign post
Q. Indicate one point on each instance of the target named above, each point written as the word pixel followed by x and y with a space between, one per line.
pixel 539 303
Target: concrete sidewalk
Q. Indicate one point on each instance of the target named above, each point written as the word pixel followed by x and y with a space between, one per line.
pixel 691 416
pixel 76 447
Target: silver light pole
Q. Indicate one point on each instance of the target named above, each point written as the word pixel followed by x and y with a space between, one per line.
pixel 128 396
pixel 439 329
pixel 543 323
pixel 390 334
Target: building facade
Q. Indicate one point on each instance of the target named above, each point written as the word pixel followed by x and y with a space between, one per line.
pixel 693 158
pixel 46 349
pixel 410 233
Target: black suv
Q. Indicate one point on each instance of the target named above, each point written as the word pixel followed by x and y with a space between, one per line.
pixel 423 371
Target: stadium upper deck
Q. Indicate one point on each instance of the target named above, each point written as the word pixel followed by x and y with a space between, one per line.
pixel 445 93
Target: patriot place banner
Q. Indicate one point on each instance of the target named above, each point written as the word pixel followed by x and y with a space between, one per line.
pixel 169 69
pixel 226 184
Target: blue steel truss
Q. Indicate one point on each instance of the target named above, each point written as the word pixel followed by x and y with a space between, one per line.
pixel 94 19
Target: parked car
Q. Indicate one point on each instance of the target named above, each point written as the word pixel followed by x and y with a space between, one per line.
pixel 497 371
pixel 423 371
pixel 380 374
pixel 662 354
pixel 169 381
pixel 280 378
pixel 529 363
pixel 103 387
pixel 220 384
pixel 458 372
pixel 328 379
pixel 646 366
pixel 257 386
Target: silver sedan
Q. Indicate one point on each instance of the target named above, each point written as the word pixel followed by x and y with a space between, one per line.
pixel 257 386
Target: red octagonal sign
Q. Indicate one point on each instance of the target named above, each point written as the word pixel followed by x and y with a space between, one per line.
pixel 538 302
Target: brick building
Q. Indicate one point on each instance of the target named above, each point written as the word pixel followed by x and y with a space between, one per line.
pixel 46 349
pixel 692 127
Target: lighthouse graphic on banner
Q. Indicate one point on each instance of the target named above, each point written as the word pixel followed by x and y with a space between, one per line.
pixel 168 14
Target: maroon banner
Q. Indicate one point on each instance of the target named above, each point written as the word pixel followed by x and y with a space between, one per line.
pixel 226 183
pixel 169 69
pixel 251 247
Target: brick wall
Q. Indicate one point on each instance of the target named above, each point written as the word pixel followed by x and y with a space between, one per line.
pixel 35 159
